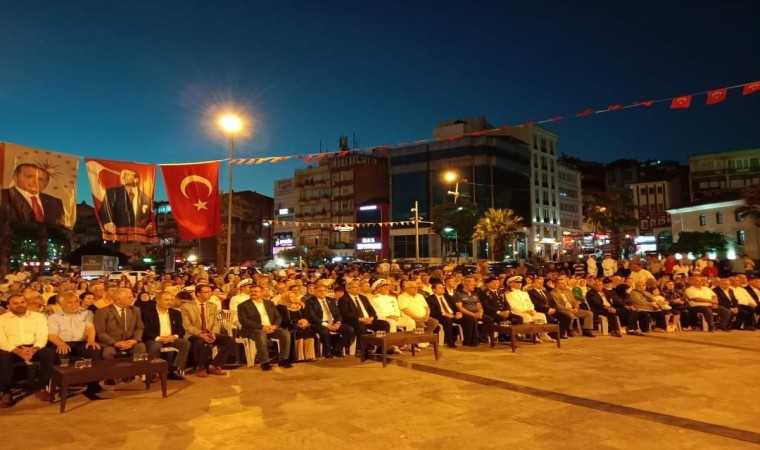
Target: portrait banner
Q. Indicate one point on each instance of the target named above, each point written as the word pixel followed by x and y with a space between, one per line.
pixel 123 197
pixel 37 185
pixel 193 191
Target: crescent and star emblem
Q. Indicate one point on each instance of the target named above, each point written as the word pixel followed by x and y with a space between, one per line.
pixel 196 179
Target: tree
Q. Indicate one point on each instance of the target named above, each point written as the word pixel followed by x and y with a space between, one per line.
pixel 699 242
pixel 751 195
pixel 292 254
pixel 319 254
pixel 367 255
pixel 612 213
pixel 498 225
pixel 461 218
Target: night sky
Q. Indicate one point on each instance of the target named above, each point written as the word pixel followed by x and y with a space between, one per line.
pixel 142 80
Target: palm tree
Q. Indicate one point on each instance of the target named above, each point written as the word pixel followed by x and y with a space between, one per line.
pixel 498 225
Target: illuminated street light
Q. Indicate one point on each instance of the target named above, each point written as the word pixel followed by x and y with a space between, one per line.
pixel 232 124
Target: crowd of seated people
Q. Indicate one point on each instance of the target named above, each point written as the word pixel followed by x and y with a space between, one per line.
pixel 319 314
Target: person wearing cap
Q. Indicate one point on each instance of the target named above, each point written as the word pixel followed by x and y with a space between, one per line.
pixel 444 312
pixel 244 293
pixel 387 309
pixel 609 265
pixel 495 304
pixel 520 304
pixel 324 316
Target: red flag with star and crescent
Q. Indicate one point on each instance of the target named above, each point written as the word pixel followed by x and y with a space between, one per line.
pixel 193 191
pixel 716 96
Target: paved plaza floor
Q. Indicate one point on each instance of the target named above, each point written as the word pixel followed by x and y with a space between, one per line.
pixel 689 390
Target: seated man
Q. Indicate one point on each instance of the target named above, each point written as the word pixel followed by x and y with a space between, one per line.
pixel 324 316
pixel 357 312
pixel 568 308
pixel 413 304
pixel 71 332
pixel 700 299
pixel 260 320
pixel 163 328
pixel 543 303
pixel 644 303
pixel 443 312
pixel 468 303
pixel 23 335
pixel 119 326
pixel 600 303
pixel 520 305
pixel 387 309
pixel 202 331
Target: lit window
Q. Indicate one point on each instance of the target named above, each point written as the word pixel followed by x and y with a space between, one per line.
pixel 702 220
pixel 740 237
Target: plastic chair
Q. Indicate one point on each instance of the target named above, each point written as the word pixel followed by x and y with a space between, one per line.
pixel 227 320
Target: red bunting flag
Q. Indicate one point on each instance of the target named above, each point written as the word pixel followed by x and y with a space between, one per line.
pixel 614 107
pixel 646 103
pixel 193 191
pixel 681 102
pixel 716 96
pixel 586 112
pixel 751 88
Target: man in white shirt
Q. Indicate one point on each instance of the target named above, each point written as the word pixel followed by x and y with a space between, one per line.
pixel 244 293
pixel 23 335
pixel 387 309
pixel 639 274
pixel 701 297
pixel 609 265
pixel 413 304
pixel 520 304
pixel 259 320
pixel 163 328
pixel 591 267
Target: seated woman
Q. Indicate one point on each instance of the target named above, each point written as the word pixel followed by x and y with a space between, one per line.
pixel 294 320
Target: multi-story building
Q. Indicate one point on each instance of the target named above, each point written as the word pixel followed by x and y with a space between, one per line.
pixel 719 214
pixel 570 209
pixel 493 172
pixel 328 195
pixel 86 228
pixel 284 234
pixel 713 173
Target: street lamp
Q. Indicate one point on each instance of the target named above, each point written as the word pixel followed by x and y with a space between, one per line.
pixel 232 124
pixel 261 247
pixel 452 177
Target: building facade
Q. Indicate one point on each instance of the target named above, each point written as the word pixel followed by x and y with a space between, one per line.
pixel 712 173
pixel 285 234
pixel 570 210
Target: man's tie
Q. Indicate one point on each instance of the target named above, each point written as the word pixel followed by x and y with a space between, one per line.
pixel 358 306
pixel 326 310
pixel 37 209
pixel 123 314
pixel 444 306
pixel 203 317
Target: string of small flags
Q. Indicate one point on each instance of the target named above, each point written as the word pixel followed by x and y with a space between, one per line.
pixel 343 225
pixel 713 97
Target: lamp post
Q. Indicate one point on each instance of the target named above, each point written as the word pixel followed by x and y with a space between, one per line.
pixel 261 248
pixel 453 177
pixel 416 211
pixel 232 124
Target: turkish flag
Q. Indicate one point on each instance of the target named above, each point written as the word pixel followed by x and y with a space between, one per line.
pixel 193 191
pixel 751 88
pixel 716 96
pixel 681 102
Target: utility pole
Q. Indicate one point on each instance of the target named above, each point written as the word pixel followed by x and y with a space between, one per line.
pixel 416 210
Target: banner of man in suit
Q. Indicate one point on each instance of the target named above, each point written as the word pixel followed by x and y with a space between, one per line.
pixel 37 185
pixel 123 197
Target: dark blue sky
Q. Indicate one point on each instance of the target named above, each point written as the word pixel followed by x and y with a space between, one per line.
pixel 138 80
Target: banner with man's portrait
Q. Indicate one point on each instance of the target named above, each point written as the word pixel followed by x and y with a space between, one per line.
pixel 123 197
pixel 37 186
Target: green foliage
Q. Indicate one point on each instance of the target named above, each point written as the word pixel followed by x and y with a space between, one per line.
pixel 462 217
pixel 498 225
pixel 292 254
pixel 699 242
pixel 751 195
pixel 319 255
pixel 612 213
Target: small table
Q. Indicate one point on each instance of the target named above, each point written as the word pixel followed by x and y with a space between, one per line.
pixel 63 377
pixel 397 339
pixel 514 330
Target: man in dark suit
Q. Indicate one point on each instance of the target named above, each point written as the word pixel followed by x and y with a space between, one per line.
pixel 495 303
pixel 260 320
pixel 324 316
pixel 543 303
pixel 119 326
pixel 126 206
pixel 727 299
pixel 444 312
pixel 358 313
pixel 163 328
pixel 25 202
